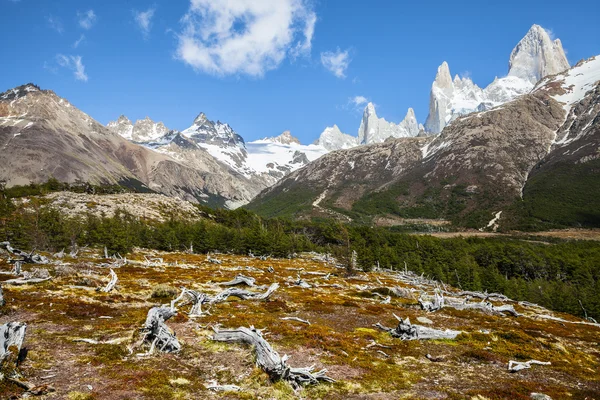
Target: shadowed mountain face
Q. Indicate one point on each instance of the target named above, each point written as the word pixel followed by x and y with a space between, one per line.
pixel 43 136
pixel 475 168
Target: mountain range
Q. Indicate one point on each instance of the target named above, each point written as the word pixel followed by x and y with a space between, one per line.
pixel 478 151
pixel 482 164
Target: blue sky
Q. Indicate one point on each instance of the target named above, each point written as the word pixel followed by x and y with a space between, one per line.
pixel 281 64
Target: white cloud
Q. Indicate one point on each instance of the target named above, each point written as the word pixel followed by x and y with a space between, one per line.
pixel 78 41
pixel 227 37
pixel 55 23
pixel 336 61
pixel 143 19
pixel 358 101
pixel 74 64
pixel 87 19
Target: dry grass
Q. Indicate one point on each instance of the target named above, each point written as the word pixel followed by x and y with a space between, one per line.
pixel 341 329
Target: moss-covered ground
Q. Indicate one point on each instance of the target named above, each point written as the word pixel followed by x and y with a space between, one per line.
pixel 341 309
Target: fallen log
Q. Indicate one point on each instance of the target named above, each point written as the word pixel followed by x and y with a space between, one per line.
pixel 23 281
pixel 439 302
pixel 243 294
pixel 239 279
pixel 12 335
pixel 157 333
pixel 407 331
pixel 269 360
pixel 515 366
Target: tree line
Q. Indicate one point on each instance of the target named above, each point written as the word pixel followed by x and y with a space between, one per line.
pixel 563 276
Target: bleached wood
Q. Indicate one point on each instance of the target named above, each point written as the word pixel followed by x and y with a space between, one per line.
pixel 239 279
pixel 12 334
pixel 111 284
pixel 515 366
pixel 296 319
pixel 268 359
pixel 407 331
pixel 157 333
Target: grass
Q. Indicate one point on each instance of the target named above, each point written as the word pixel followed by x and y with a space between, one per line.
pixel 339 338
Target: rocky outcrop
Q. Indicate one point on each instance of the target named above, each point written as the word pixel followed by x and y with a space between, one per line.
pixel 144 130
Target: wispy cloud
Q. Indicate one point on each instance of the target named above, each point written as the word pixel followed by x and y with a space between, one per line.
pixel 73 63
pixel 143 19
pixel 55 23
pixel 336 61
pixel 87 19
pixel 229 37
pixel 78 41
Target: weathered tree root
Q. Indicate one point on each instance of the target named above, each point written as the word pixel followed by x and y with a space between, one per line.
pixel 157 333
pixel 29 258
pixel 407 331
pixel 269 360
pixel 198 298
pixel 515 366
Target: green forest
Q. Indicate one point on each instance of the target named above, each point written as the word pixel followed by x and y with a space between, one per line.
pixel 563 275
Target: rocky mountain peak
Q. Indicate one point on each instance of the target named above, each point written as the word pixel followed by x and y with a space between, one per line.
pixel 285 138
pixel 200 119
pixel 443 79
pixel 19 91
pixel 536 56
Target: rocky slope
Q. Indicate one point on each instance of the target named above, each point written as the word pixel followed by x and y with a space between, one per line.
pixel 475 168
pixel 43 136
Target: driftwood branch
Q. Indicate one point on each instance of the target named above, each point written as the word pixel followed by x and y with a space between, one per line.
pixel 296 319
pixel 515 366
pixel 29 258
pixel 407 331
pixel 269 360
pixel 239 279
pixel 244 294
pixel 111 284
pixel 157 333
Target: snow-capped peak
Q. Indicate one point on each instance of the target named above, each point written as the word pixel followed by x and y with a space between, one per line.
pixel 285 138
pixel 536 56
pixel 144 130
pixel 332 138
